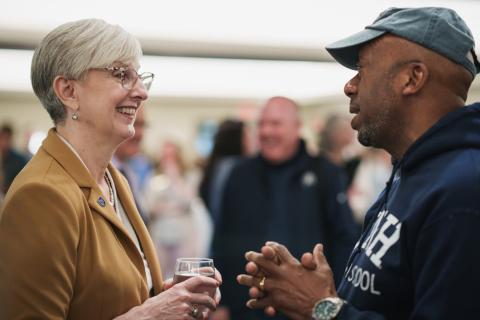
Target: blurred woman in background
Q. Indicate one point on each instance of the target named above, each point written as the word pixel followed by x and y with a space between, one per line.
pixel 230 143
pixel 72 243
pixel 179 223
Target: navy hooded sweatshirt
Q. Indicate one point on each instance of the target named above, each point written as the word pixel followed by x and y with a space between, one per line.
pixel 419 255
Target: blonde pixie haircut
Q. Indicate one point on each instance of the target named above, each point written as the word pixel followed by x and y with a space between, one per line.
pixel 71 50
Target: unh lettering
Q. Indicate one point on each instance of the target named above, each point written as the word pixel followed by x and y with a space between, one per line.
pixel 379 240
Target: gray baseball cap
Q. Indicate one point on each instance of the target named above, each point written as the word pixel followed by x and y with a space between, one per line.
pixel 438 29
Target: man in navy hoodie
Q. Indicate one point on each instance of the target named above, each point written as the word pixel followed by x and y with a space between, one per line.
pixel 418 256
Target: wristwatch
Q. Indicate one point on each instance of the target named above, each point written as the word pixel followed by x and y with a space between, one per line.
pixel 327 309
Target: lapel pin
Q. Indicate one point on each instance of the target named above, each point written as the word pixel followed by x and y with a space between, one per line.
pixel 309 179
pixel 101 202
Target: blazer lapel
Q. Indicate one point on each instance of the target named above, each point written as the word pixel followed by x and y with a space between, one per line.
pixel 126 198
pixel 62 153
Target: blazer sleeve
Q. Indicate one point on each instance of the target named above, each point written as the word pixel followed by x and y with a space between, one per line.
pixel 39 233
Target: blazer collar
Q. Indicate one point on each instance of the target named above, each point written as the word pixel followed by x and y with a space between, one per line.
pixel 62 153
pixel 54 146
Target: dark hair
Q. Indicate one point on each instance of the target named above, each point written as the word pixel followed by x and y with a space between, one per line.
pixel 6 129
pixel 227 142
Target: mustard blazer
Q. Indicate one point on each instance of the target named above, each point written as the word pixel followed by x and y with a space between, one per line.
pixel 64 253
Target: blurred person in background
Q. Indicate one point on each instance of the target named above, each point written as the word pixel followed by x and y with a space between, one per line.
pixel 366 169
pixel 11 160
pixel 369 180
pixel 135 165
pixel 417 255
pixel 231 142
pixel 284 194
pixel 179 222
pixel 72 243
pixel 336 137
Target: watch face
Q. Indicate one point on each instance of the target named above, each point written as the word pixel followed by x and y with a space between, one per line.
pixel 329 308
pixel 326 310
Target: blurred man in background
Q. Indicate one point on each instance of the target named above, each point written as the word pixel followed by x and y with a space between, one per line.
pixel 134 165
pixel 282 194
pixel 336 139
pixel 11 160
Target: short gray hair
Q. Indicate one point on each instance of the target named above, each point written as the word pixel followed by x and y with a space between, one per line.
pixel 71 50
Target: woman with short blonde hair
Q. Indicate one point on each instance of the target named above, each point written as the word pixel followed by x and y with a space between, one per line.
pixel 72 243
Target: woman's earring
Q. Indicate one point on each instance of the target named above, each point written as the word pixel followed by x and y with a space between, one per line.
pixel 75 116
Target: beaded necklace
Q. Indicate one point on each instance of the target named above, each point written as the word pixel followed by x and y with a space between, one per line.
pixel 110 191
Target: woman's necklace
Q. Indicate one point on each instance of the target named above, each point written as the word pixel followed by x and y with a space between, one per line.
pixel 110 191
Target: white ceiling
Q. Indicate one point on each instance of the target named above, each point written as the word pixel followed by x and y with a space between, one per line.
pixel 298 23
pixel 276 29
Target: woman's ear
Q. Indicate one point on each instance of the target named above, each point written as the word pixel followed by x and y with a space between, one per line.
pixel 65 90
pixel 414 78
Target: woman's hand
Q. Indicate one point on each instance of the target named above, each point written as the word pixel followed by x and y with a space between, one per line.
pixel 178 302
pixel 167 284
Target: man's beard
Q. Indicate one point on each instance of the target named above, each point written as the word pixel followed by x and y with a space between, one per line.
pixel 374 133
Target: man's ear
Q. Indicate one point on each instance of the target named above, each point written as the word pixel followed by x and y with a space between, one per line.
pixel 66 92
pixel 414 78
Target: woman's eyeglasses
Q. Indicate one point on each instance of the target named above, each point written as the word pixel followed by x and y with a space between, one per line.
pixel 129 77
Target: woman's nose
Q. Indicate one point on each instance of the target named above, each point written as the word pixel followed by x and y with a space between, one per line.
pixel 139 92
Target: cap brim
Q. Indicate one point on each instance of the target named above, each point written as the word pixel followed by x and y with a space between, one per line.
pixel 345 51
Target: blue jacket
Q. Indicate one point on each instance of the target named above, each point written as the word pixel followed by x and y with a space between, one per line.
pixel 418 257
pixel 295 203
pixel 13 163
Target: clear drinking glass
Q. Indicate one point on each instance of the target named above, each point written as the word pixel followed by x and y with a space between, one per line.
pixel 191 267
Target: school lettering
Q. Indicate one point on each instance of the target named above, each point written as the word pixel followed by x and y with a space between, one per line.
pixel 363 279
